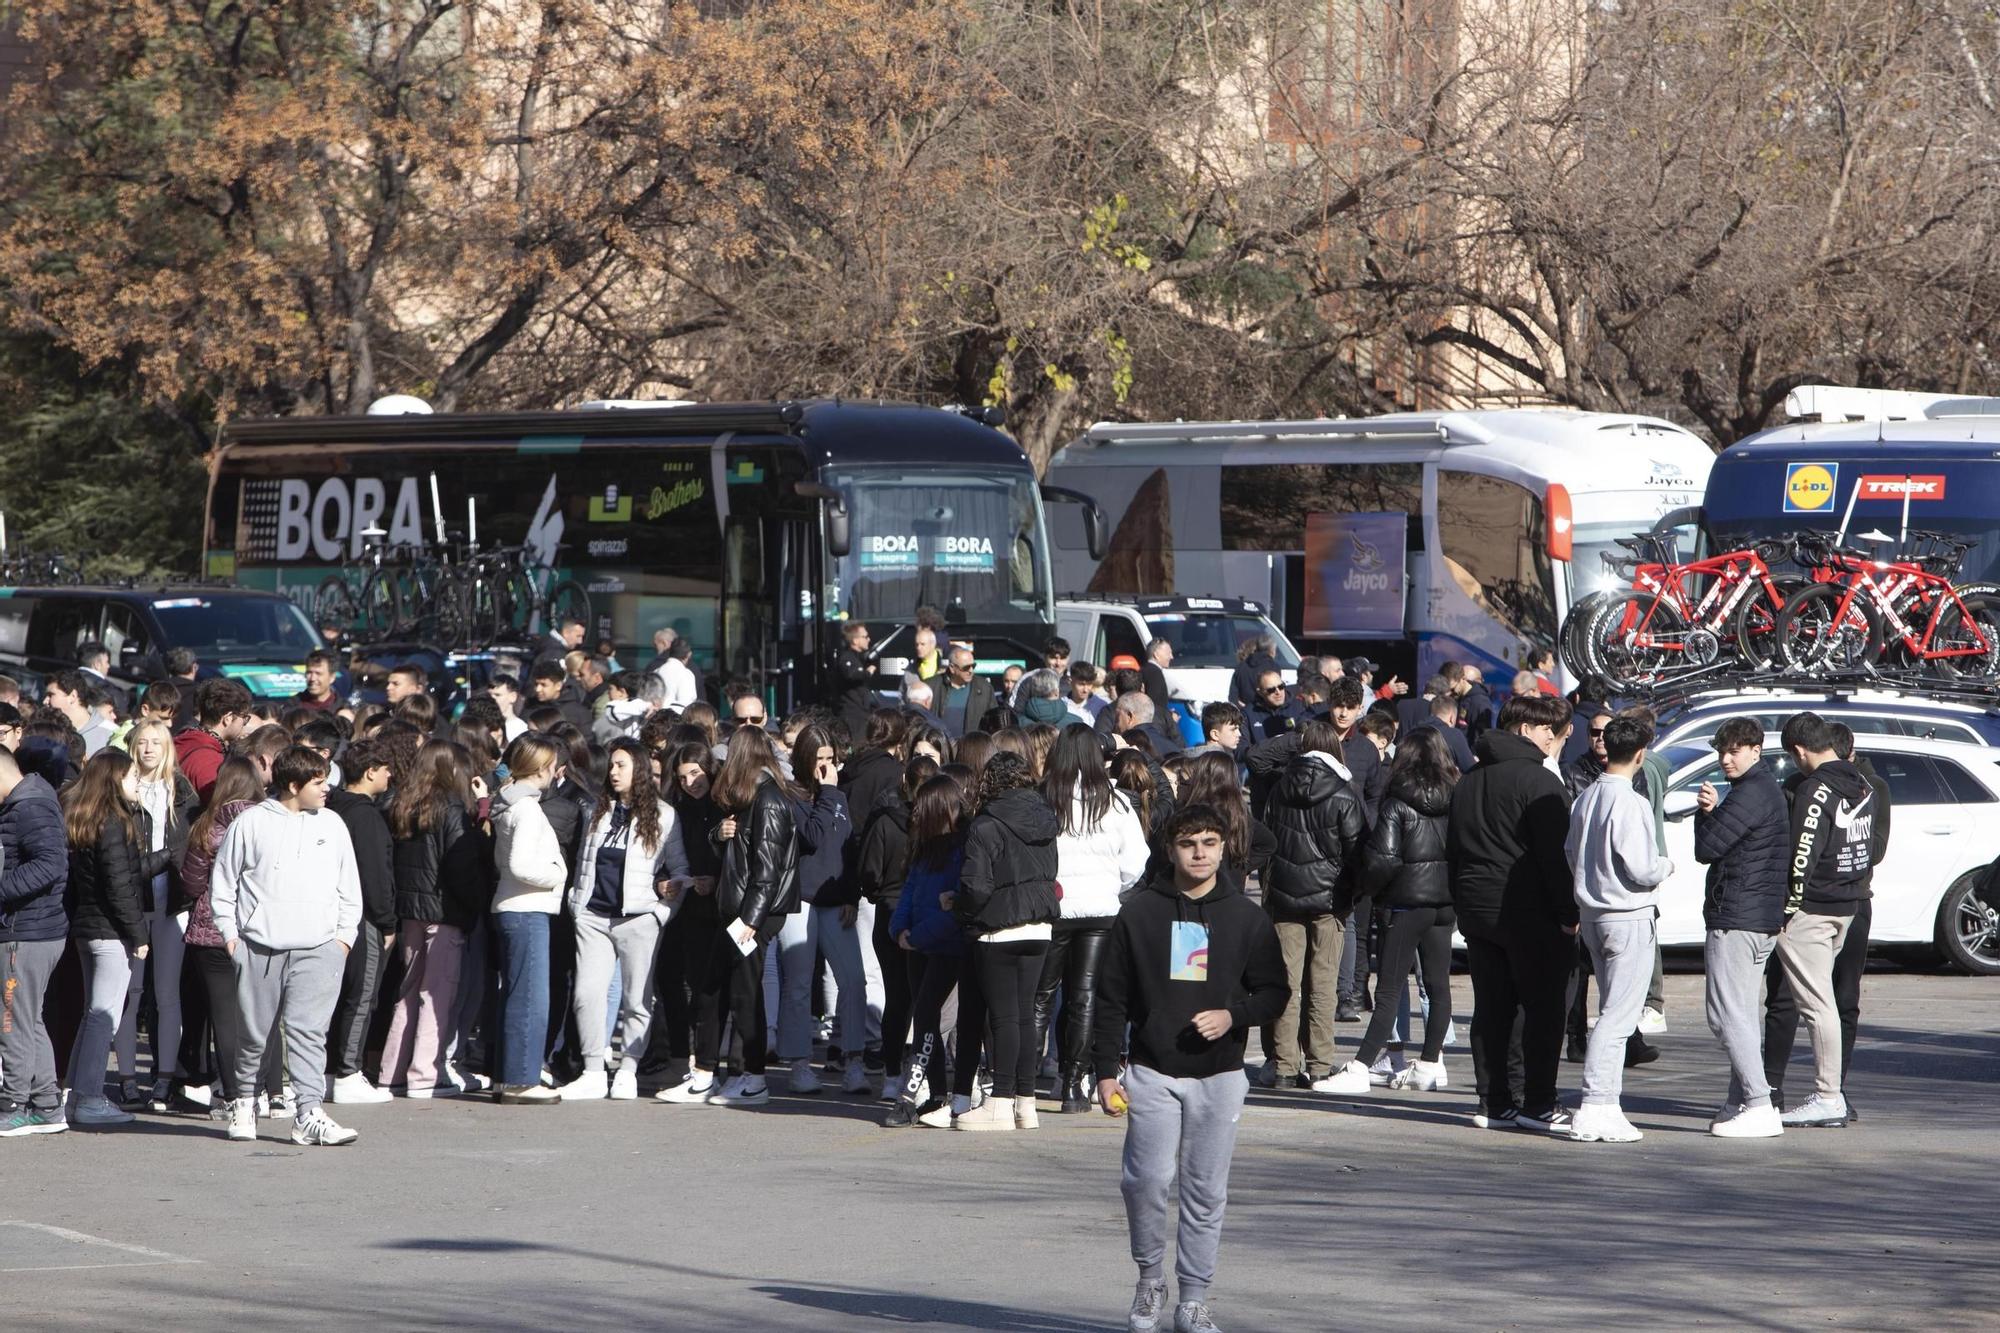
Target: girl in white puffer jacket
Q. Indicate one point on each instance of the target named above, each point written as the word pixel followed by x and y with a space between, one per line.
pixel 1102 854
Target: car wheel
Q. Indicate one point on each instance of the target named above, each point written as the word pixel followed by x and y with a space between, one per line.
pixel 1968 928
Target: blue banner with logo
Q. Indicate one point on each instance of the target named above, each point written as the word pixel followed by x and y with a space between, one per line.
pixel 1355 567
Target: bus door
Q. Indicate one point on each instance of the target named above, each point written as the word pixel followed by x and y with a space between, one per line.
pixel 768 544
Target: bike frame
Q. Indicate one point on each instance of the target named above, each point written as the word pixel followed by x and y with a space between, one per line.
pixel 1736 576
pixel 1900 580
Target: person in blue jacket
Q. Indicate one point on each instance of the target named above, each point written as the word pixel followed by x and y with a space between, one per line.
pixel 923 924
pixel 34 928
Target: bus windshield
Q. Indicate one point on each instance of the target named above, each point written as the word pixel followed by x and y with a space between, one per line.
pixel 971 544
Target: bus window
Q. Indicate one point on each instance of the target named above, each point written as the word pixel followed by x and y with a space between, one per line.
pixel 1495 555
pixel 1264 506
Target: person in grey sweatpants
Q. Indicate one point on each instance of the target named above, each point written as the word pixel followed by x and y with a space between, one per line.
pixel 27 1059
pixel 1616 866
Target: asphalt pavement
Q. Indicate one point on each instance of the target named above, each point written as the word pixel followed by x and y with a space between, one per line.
pixel 1388 1211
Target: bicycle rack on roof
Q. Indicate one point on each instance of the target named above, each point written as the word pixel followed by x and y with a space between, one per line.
pixel 1718 681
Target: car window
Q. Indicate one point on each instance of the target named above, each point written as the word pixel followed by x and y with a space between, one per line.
pixel 15 615
pixel 123 626
pixel 59 625
pixel 1959 784
pixel 1910 778
pixel 1116 635
pixel 1781 764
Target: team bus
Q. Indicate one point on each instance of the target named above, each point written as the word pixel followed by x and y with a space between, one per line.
pixel 1414 538
pixel 753 529
pixel 1874 461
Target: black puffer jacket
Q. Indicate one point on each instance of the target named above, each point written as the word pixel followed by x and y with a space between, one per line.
pixel 884 858
pixel 1746 844
pixel 1405 864
pixel 442 872
pixel 109 883
pixel 1315 814
pixel 1010 865
pixel 1509 820
pixel 760 865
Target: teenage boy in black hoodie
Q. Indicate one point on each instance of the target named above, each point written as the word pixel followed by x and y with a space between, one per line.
pixel 1833 842
pixel 366 765
pixel 1192 966
pixel 1510 885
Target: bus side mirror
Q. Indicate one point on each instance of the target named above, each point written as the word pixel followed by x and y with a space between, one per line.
pixel 839 529
pixel 1093 515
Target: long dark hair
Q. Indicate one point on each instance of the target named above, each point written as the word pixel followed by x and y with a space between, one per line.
pixel 937 823
pixel 1423 761
pixel 679 757
pixel 750 759
pixel 1077 762
pixel 915 774
pixel 643 800
pixel 442 774
pixel 97 797
pixel 974 748
pixel 236 781
pixel 1135 779
pixel 805 756
pixel 1211 781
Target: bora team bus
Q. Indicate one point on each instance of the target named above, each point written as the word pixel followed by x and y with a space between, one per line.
pixel 754 529
pixel 1415 538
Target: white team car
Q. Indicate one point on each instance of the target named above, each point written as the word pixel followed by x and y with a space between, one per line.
pixel 1945 831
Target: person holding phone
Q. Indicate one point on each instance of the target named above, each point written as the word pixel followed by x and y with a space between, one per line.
pixel 630 877
pixel 1191 967
pixel 825 922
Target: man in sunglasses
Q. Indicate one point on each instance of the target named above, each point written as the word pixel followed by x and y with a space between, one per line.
pixel 1274 712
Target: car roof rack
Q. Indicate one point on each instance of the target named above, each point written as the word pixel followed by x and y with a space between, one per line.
pixel 1689 688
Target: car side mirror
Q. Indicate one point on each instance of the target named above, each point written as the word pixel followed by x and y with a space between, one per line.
pixel 1680 804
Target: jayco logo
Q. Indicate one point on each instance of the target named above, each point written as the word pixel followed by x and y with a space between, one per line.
pixel 1357 581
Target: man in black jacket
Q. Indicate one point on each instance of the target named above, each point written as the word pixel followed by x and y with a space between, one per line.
pixel 1192 965
pixel 366 768
pixel 1742 840
pixel 1274 713
pixel 1511 887
pixel 854 679
pixel 1781 1011
pixel 1443 719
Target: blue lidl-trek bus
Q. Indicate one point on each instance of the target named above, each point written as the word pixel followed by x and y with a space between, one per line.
pixel 754 529
pixel 1864 459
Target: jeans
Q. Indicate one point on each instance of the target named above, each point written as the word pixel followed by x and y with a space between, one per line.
pixel 107 977
pixel 1623 951
pixel 807 933
pixel 1415 935
pixel 523 939
pixel 1074 955
pixel 1008 975
pixel 27 1058
pixel 1520 977
pixel 414 1051
pixel 1312 966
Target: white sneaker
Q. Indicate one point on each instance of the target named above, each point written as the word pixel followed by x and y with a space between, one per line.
pixel 1817 1112
pixel 243 1120
pixel 1026 1116
pixel 854 1081
pixel 279 1107
pixel 690 1091
pixel 436 1092
pixel 527 1094
pixel 1428 1077
pixel 990 1116
pixel 802 1081
pixel 1350 1080
pixel 1652 1022
pixel 1597 1122
pixel 625 1083
pixel 316 1129
pixel 356 1090
pixel 592 1085
pixel 743 1090
pixel 1749 1122
pixel 939 1116
pixel 1382 1074
pixel 467 1081
pixel 98 1111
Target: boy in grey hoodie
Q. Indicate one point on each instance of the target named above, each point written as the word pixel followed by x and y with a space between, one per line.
pixel 287 901
pixel 1616 864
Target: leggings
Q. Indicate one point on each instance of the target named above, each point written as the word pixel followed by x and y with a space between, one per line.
pixel 1422 935
pixel 898 972
pixel 737 984
pixel 932 978
pixel 1008 975
pixel 1071 963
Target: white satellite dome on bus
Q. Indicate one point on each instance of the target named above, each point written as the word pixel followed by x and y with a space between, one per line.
pixel 399 405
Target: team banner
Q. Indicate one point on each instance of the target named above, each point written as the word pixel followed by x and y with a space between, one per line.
pixel 1354 575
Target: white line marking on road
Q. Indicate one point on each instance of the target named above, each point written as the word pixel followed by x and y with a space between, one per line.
pixel 71 1268
pixel 148 1257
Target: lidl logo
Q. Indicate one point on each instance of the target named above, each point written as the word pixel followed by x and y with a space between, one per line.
pixel 1809 487
pixel 611 507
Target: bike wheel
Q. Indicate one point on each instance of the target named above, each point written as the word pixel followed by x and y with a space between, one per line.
pixel 335 603
pixel 517 605
pixel 1969 625
pixel 452 614
pixel 1808 639
pixel 1635 637
pixel 483 612
pixel 1572 641
pixel 381 604
pixel 1757 628
pixel 568 599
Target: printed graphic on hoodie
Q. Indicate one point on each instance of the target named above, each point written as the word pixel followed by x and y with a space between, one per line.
pixel 1845 844
pixel 1188 952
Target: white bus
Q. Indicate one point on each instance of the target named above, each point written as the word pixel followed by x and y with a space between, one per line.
pixel 1505 514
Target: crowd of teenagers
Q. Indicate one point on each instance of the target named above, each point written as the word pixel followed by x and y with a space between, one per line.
pixel 607 887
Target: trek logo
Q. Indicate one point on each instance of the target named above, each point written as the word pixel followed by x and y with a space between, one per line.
pixel 1809 487
pixel 1928 487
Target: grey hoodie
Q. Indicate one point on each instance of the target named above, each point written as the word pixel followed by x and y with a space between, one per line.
pixel 286 879
pixel 1615 862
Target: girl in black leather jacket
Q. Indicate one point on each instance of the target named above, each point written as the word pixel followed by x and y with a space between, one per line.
pixel 442 888
pixel 757 890
pixel 1404 868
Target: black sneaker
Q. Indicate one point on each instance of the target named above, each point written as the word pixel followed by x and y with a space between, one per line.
pixel 1557 1119
pixel 901 1116
pixel 1638 1052
pixel 1347 1011
pixel 1575 1050
pixel 1853 1116
pixel 1503 1118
